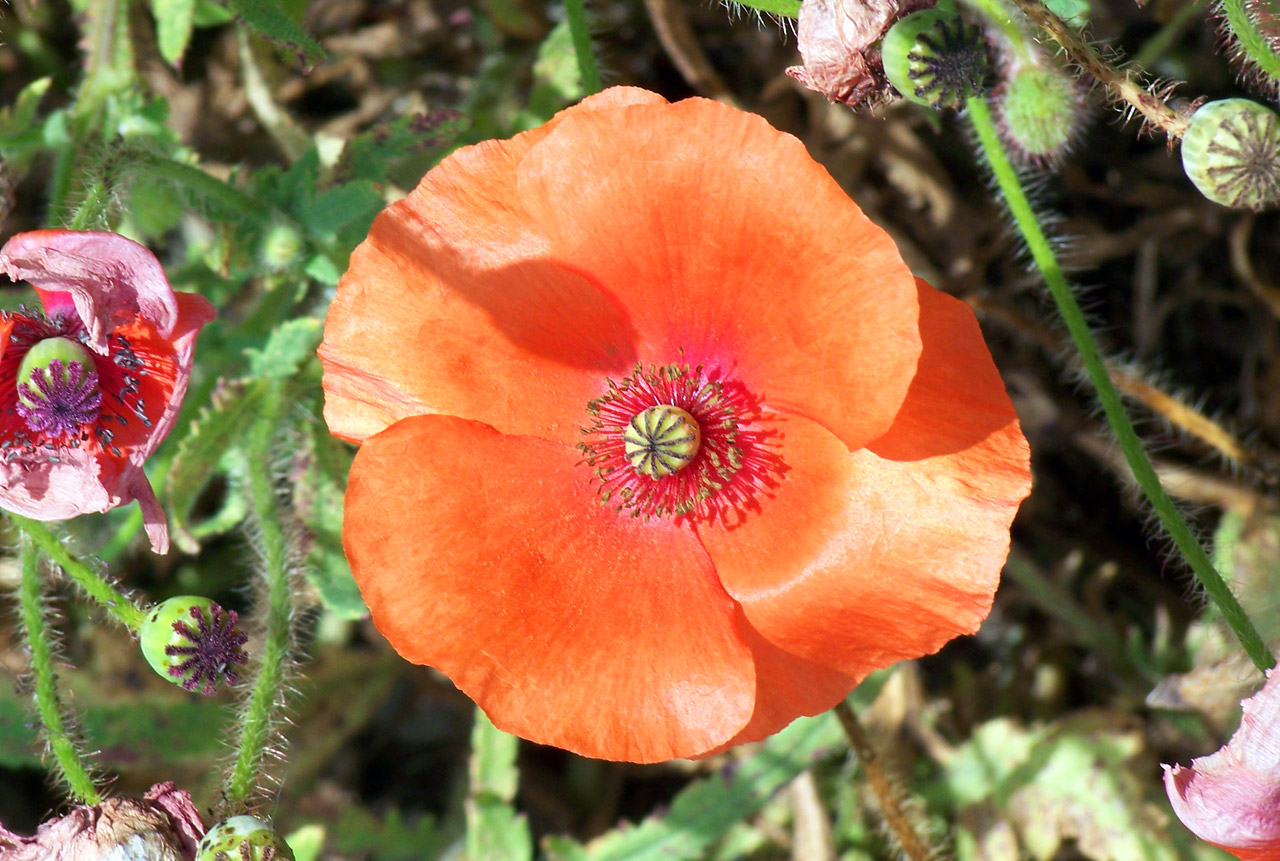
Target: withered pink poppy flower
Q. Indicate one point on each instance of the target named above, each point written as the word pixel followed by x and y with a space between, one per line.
pixel 90 387
pixel 1232 798
pixel 839 41
pixel 163 825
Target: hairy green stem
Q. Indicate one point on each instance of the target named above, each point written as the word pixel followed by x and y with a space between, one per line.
pixel 125 610
pixel 1012 25
pixel 580 31
pixel 35 627
pixel 887 789
pixel 1253 44
pixel 259 715
pixel 1041 252
pixel 202 185
pixel 783 8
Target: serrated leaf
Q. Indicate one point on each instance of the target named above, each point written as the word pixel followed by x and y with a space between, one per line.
pixel 266 18
pixel 290 345
pixel 557 77
pixel 704 811
pixel 218 427
pixel 393 837
pixel 22 115
pixel 175 19
pixel 356 202
pixel 211 14
pixel 494 829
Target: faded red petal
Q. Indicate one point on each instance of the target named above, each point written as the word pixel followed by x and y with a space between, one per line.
pixel 109 279
pixel 691 215
pixel 490 558
pixel 473 317
pixel 1232 798
pixel 862 559
pixel 143 335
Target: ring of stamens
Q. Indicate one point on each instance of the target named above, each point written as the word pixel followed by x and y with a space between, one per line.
pixel 664 441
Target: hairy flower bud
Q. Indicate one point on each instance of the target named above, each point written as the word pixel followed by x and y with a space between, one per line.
pixel 1039 111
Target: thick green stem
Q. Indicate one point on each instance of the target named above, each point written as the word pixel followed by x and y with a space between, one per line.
pixel 92 583
pixel 580 31
pixel 259 715
pixel 36 628
pixel 783 8
pixel 1041 252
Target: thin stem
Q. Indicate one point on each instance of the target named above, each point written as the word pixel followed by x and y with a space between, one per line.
pixel 783 8
pixel 1121 84
pixel 580 31
pixel 1253 44
pixel 36 629
pixel 265 696
pixel 95 585
pixel 913 846
pixel 1000 15
pixel 1029 226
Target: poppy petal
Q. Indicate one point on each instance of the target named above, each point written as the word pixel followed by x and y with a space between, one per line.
pixel 491 558
pixel 109 279
pixel 473 320
pixel 768 268
pixel 862 559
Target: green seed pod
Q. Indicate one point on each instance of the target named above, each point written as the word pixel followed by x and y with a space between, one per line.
pixel 935 59
pixel 1039 110
pixel 193 642
pixel 1231 152
pixel 243 838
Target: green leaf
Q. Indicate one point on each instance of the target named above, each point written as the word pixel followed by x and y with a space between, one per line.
pixel 175 20
pixel 306 842
pixel 288 347
pixel 557 79
pixel 704 811
pixel 211 14
pixel 266 18
pixel 355 202
pixel 218 427
pixel 389 838
pixel 494 829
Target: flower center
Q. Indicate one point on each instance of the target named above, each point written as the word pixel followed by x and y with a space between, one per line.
pixel 661 441
pixel 669 441
pixel 58 391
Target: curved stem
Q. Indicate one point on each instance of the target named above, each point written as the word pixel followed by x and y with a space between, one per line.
pixel 1121 84
pixel 36 629
pixel 259 716
pixel 580 31
pixel 125 610
pixel 1253 44
pixel 1041 252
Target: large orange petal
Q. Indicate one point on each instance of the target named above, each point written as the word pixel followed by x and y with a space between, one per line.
pixel 862 559
pixel 450 306
pixel 723 239
pixel 491 558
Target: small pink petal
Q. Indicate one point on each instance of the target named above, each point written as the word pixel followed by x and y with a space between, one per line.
pixel 1232 798
pixel 111 280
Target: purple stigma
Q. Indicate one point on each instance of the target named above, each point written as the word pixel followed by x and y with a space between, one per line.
pixel 60 401
pixel 214 650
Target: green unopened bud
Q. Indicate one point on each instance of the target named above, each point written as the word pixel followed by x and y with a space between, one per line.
pixel 935 59
pixel 243 838
pixel 281 245
pixel 1231 152
pixel 1039 110
pixel 42 355
pixel 193 642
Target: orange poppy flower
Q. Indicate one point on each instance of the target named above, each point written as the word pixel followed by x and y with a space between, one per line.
pixel 661 444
